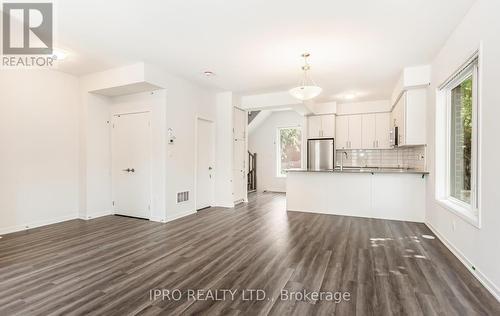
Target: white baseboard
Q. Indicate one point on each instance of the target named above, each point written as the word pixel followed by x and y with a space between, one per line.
pixel 96 215
pixel 158 219
pixel 35 224
pixel 177 216
pixel 490 286
pixel 224 205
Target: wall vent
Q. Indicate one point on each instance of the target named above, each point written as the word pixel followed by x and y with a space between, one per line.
pixel 182 196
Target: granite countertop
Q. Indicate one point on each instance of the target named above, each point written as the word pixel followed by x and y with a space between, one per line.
pixel 364 170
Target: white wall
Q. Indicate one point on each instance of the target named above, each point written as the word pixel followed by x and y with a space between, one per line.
pixel 95 135
pixel 116 77
pixel 478 247
pixel 224 190
pixel 55 136
pixel 410 78
pixel 96 157
pixel 175 107
pixel 262 140
pixel 39 150
pixel 268 100
pixel 185 103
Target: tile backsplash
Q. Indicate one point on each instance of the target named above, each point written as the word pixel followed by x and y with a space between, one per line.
pixel 403 157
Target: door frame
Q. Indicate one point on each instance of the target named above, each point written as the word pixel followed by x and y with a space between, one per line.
pixel 196 140
pixel 113 115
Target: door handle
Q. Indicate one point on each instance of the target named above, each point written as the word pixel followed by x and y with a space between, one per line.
pixel 129 170
pixel 132 170
pixel 209 168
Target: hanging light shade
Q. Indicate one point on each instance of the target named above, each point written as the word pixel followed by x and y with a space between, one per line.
pixel 305 92
pixel 307 89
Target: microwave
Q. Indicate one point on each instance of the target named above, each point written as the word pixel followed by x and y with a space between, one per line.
pixel 394 137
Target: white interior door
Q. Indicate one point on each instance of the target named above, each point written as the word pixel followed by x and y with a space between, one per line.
pixel 205 184
pixel 131 164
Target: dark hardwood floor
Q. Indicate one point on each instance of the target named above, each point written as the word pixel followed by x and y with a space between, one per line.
pixel 107 266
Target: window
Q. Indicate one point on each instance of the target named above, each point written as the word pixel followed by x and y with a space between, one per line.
pixel 457 163
pixel 461 140
pixel 289 149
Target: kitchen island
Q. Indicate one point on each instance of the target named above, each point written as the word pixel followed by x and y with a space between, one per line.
pixel 396 194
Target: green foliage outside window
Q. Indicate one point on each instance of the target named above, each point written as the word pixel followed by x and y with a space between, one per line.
pixel 466 93
pixel 290 148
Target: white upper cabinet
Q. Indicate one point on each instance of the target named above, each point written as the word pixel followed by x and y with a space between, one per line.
pixel 397 118
pixel 415 116
pixel 328 125
pixel 369 130
pixel 363 131
pixel 382 130
pixel 355 132
pixel 342 132
pixel 349 132
pixel 314 126
pixel 321 126
pixel 409 116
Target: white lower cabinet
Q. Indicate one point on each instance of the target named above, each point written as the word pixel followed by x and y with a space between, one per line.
pixel 391 196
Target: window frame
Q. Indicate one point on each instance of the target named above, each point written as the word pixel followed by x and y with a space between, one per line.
pixel 278 148
pixel 469 212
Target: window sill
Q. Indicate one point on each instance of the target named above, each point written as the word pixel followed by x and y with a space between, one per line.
pixel 463 212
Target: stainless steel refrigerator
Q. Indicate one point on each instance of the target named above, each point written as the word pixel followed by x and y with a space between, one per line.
pixel 321 154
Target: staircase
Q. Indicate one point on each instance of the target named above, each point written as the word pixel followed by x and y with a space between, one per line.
pixel 252 115
pixel 252 172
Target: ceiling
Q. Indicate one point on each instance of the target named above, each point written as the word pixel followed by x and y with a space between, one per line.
pixel 254 46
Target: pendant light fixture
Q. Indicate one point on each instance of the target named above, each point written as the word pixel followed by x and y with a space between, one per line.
pixel 307 89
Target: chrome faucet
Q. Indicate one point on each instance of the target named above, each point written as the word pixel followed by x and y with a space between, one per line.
pixel 342 160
